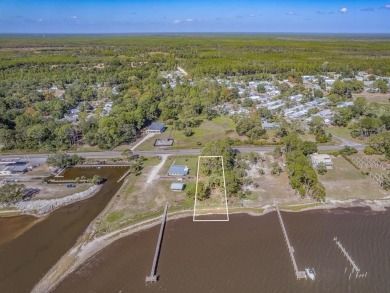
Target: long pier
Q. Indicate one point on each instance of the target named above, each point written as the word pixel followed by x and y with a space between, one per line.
pixel 153 272
pixel 349 258
pixel 346 254
pixel 299 274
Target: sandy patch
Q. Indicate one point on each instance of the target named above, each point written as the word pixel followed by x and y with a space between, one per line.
pixel 153 174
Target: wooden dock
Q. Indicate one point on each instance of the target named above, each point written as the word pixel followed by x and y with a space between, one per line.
pixel 355 268
pixel 153 272
pixel 299 274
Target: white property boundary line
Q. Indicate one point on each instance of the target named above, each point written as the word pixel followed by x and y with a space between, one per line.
pixel 196 191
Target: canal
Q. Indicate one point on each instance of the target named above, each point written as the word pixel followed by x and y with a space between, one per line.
pixel 41 243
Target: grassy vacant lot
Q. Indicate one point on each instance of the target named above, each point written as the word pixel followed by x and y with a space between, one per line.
pixel 343 132
pixel 375 97
pixel 207 131
pixel 270 187
pixel 344 181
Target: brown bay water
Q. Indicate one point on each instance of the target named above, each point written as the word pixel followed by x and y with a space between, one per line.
pixel 27 257
pixel 246 254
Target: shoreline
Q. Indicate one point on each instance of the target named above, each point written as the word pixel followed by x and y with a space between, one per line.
pixel 83 251
pixel 43 207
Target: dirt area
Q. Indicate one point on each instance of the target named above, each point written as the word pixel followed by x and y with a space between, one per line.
pixel 43 170
pixel 344 181
pixel 156 169
pixel 267 188
pixel 49 191
pixel 52 191
pixel 139 198
pixel 99 66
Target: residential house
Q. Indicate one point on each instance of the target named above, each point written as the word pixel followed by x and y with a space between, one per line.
pixel 156 127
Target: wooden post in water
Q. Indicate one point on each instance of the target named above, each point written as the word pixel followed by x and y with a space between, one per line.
pixel 153 271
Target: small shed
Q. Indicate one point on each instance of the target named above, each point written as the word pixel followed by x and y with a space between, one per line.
pixel 177 186
pixel 178 170
pixel 156 127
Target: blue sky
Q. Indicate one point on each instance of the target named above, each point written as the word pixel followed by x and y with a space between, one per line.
pixel 119 16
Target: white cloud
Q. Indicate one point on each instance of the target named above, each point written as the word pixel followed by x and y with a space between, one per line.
pixel 176 21
pixel 291 13
pixel 387 6
pixel 40 20
pixel 73 17
pixel 343 10
pixel 189 19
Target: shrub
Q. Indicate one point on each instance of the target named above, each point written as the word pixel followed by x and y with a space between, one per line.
pixel 347 150
pixel 369 150
pixel 321 168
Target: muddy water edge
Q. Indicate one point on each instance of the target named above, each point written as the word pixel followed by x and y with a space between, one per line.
pixel 28 256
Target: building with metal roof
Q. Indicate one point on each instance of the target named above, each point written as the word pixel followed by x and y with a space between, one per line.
pixel 177 186
pixel 156 127
pixel 178 170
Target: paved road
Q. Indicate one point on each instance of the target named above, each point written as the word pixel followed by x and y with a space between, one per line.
pixel 37 159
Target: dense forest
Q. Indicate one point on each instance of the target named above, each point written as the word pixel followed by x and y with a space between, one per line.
pixel 42 79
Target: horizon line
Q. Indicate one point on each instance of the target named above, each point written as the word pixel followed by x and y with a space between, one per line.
pixel 194 32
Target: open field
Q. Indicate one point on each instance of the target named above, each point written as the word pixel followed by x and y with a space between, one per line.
pixel 375 97
pixel 344 132
pixel 207 131
pixel 268 188
pixel 344 181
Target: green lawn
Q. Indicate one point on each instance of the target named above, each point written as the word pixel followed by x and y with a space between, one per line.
pixel 344 181
pixel 297 208
pixel 342 169
pixel 206 132
pixel 190 161
pixel 343 132
pixel 114 216
pixel 308 137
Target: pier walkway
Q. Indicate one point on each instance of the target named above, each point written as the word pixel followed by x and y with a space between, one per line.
pixel 299 274
pixel 349 258
pixel 153 271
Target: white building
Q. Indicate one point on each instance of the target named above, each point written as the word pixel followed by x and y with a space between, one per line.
pixel 325 159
